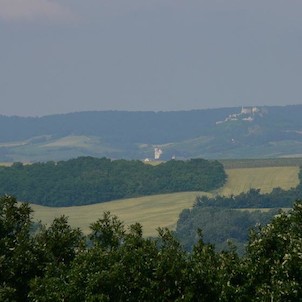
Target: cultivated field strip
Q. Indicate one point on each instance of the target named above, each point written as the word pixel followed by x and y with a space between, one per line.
pixel 265 179
pixel 151 211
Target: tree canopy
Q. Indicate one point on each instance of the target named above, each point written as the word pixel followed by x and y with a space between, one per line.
pixel 116 263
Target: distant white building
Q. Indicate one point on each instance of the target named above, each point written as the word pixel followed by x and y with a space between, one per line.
pixel 248 119
pixel 157 152
pixel 247 114
pixel 255 110
pixel 246 110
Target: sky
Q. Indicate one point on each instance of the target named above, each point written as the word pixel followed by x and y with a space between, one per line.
pixel 59 56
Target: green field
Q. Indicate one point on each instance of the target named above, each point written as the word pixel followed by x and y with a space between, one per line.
pixel 163 210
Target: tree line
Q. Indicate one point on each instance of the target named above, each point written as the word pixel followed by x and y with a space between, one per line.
pixel 278 198
pixel 88 180
pixel 116 263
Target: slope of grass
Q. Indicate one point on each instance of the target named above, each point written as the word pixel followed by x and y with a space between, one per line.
pixel 8 164
pixel 265 179
pixel 151 211
pixel 47 148
pixel 261 162
pixel 163 210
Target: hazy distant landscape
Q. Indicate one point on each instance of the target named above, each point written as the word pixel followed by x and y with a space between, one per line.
pixel 249 132
pixel 259 148
pixel 150 151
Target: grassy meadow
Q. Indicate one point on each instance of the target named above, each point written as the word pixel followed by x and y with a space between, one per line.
pixel 151 211
pixel 163 210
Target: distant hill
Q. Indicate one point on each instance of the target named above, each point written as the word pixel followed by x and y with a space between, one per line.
pixel 251 132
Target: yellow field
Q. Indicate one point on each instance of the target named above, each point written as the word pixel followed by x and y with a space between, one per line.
pixel 151 211
pixel 267 178
pixel 5 164
pixel 163 210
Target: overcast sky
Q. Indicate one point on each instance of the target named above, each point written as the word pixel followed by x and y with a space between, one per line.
pixel 72 55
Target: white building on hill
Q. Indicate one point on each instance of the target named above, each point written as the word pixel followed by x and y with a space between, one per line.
pixel 157 152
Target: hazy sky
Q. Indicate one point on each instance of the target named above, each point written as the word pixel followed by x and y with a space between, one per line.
pixel 73 55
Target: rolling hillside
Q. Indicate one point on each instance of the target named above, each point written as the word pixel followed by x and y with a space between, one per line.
pixel 252 132
pixel 163 210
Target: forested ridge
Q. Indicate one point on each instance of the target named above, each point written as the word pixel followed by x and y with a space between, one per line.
pixel 212 133
pixel 88 180
pixel 115 263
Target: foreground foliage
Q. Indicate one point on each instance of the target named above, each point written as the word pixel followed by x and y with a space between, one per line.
pixel 115 263
pixel 88 180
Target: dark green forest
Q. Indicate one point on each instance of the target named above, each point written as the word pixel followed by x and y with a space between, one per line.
pixel 224 218
pixel 88 180
pixel 116 263
pixel 220 226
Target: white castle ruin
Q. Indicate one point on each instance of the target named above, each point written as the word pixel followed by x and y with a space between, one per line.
pixel 157 152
